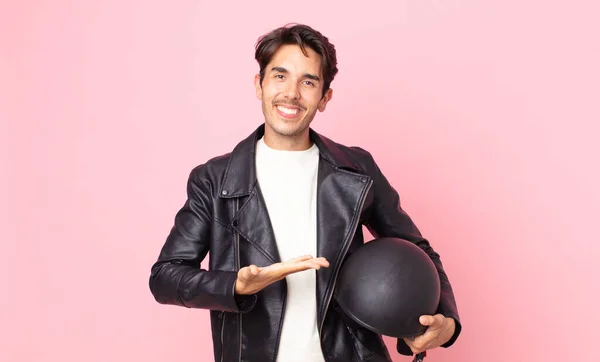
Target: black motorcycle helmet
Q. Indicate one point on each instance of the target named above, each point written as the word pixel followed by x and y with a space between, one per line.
pixel 386 285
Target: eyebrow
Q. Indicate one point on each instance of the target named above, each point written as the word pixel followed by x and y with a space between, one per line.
pixel 306 75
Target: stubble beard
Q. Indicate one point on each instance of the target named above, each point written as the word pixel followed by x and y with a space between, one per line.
pixel 279 126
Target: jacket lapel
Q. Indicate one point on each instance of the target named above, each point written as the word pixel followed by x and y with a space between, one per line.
pixel 251 217
pixel 253 223
pixel 340 193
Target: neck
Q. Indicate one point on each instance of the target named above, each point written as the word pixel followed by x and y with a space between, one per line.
pixel 276 141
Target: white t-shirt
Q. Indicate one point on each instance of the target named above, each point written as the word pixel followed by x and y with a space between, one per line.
pixel 288 182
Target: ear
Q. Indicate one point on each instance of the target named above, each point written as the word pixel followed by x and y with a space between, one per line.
pixel 326 98
pixel 258 86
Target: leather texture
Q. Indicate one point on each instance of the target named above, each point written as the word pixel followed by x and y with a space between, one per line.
pixel 224 217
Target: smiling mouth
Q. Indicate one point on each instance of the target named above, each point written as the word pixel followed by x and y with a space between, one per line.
pixel 288 112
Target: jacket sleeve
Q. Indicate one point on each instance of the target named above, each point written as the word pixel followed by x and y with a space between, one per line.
pixel 388 219
pixel 176 277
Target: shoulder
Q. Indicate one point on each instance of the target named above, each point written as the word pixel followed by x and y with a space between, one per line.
pixel 211 171
pixel 353 156
pixel 365 160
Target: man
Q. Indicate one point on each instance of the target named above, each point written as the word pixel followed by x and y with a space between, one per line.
pixel 279 214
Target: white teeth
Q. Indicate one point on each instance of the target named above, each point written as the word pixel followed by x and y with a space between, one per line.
pixel 287 110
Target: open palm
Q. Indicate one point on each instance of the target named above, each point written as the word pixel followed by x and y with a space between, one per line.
pixel 252 279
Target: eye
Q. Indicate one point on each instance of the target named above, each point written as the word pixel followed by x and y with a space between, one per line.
pixel 279 76
pixel 309 83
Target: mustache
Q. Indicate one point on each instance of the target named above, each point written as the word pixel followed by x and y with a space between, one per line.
pixel 288 102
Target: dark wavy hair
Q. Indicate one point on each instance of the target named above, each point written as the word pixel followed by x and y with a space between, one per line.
pixel 303 36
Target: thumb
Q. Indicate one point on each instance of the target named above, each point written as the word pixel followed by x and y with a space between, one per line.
pixel 426 320
pixel 433 321
pixel 254 270
pixel 247 273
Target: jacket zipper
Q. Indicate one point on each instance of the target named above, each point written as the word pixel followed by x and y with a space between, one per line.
pixel 237 252
pixel 346 246
pixel 222 330
pixel 236 241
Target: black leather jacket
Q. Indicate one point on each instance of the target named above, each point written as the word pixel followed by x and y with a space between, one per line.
pixel 225 215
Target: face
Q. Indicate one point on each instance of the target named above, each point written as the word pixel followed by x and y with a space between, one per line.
pixel 291 93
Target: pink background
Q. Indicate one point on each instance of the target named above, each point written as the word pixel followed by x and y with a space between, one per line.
pixel 483 114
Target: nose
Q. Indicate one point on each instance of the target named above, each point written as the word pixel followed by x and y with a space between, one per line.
pixel 291 90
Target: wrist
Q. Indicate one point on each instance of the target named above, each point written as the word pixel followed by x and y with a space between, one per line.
pixel 239 288
pixel 449 330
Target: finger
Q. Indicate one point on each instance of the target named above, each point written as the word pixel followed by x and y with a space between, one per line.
pixel 321 261
pixel 299 259
pixel 281 271
pixel 301 266
pixel 432 334
pixel 245 274
pixel 254 270
pixel 432 321
pixel 410 342
pixel 424 341
pixel 315 264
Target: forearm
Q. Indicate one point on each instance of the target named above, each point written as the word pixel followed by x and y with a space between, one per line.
pixel 191 287
pixel 447 305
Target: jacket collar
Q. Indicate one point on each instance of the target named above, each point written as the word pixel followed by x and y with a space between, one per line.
pixel 240 174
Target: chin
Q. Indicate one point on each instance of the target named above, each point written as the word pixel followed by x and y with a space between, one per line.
pixel 287 129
